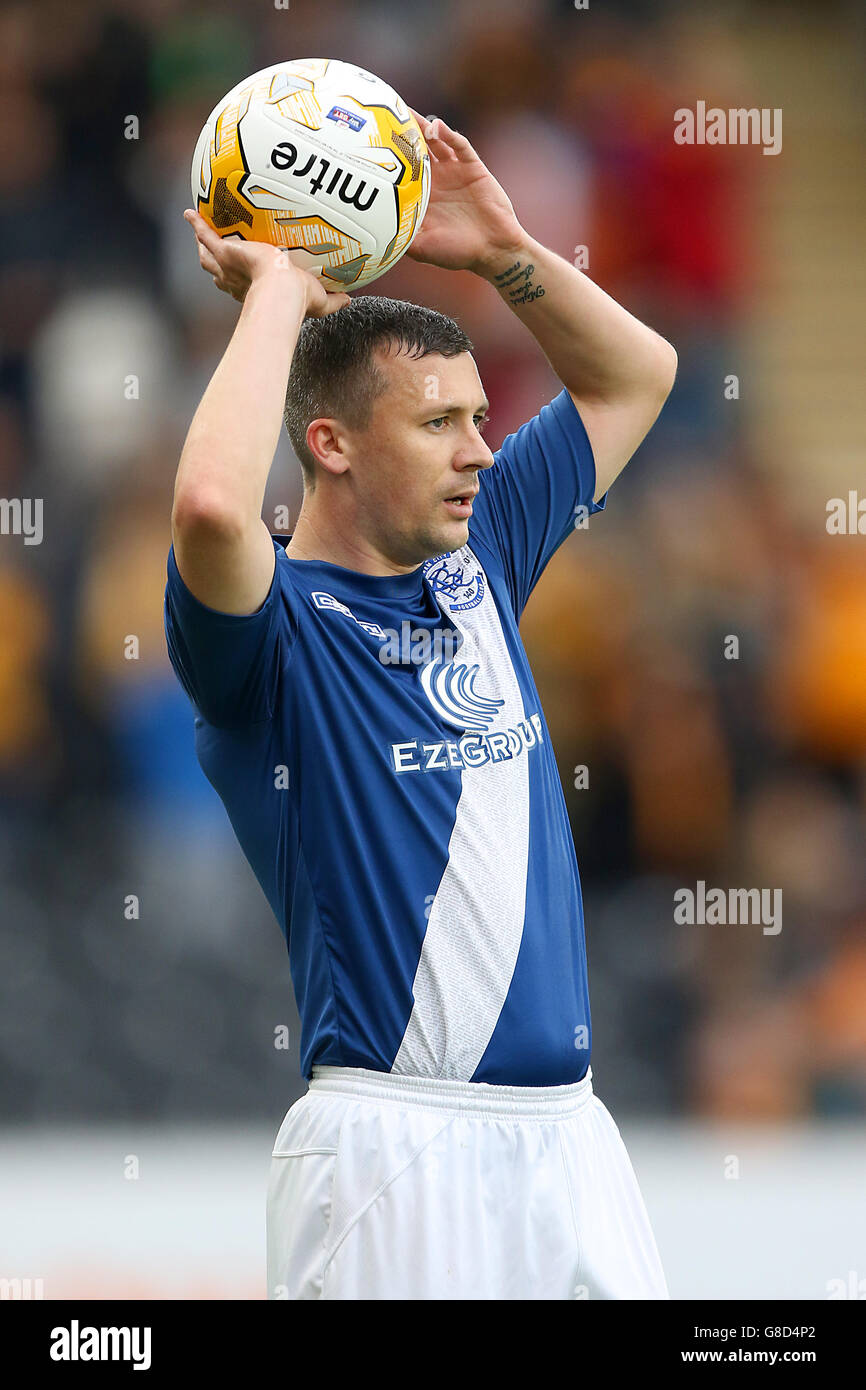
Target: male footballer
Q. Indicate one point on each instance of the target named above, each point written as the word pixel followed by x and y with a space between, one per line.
pixel 399 800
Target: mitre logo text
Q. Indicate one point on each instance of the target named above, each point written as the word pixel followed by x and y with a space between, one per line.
pixel 472 750
pixel 284 155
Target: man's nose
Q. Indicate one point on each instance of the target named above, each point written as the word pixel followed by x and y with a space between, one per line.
pixel 475 454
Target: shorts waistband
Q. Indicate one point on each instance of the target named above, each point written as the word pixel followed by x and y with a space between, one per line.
pixel 438 1093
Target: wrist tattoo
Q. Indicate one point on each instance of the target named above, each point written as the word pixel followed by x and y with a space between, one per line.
pixel 516 281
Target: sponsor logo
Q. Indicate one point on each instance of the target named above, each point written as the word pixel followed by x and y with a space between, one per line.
pixel 460 583
pixel 450 688
pixel 322 600
pixel 344 117
pixel 285 155
pixel 472 750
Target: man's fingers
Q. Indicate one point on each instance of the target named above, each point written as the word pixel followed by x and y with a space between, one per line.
pixel 458 144
pixel 431 126
pixel 232 271
pixel 337 301
pixel 203 231
pixel 209 261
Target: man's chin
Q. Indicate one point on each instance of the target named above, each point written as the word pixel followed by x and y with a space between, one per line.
pixel 454 535
pixel 442 539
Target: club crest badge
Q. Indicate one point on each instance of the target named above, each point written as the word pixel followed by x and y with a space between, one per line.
pixel 457 578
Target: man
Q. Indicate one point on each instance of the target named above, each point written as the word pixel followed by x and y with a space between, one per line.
pixel 365 709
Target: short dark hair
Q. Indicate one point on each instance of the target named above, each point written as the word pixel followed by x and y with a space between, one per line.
pixel 333 373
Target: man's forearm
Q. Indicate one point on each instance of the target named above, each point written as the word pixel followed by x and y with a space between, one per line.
pixel 599 351
pixel 233 436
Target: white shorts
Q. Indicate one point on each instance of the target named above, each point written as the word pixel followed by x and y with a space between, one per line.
pixel 395 1187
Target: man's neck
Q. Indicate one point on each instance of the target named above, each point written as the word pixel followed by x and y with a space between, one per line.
pixel 314 540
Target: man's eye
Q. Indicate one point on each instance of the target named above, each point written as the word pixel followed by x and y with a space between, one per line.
pixel 480 420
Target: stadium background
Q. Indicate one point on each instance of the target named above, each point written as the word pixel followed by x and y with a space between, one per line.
pixel 152 1040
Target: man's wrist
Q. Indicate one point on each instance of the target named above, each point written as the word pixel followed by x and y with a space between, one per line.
pixel 280 283
pixel 500 255
pixel 514 272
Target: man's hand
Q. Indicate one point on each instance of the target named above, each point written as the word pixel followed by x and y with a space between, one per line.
pixel 234 265
pixel 469 222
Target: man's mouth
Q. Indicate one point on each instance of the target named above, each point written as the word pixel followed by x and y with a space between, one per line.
pixel 460 505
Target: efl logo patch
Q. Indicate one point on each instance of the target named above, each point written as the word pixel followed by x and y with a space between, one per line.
pixel 344 117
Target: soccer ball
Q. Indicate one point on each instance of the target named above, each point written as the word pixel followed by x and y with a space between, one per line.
pixel 318 156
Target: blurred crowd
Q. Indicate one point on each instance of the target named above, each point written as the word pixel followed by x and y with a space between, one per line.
pixel 140 968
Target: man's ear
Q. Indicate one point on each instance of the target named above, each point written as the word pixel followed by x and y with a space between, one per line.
pixel 326 442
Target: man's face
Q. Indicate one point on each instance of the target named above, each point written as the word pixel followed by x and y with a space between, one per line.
pixel 417 466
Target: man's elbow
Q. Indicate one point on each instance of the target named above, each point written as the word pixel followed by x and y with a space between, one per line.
pixel 201 514
pixel 665 369
pixel 658 384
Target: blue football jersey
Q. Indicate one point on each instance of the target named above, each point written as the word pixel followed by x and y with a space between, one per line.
pixel 380 749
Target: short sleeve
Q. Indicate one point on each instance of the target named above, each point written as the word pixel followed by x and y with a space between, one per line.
pixel 541 485
pixel 229 664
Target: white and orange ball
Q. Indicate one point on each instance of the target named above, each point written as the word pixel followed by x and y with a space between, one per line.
pixel 319 156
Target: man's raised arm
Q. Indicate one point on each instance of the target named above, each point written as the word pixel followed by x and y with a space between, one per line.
pixel 617 371
pixel 223 548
